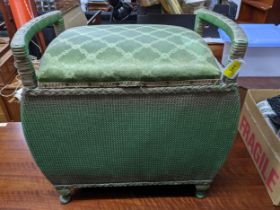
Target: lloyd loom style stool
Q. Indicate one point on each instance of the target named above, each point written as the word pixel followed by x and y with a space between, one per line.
pixel 125 105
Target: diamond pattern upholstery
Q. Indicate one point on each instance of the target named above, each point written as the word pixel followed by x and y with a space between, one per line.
pixel 107 53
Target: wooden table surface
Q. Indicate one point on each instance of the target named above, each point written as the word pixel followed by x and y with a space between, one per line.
pixel 22 185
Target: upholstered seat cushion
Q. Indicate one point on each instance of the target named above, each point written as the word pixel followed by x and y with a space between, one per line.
pixel 127 53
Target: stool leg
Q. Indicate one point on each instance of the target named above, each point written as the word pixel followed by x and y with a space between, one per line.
pixel 65 194
pixel 201 190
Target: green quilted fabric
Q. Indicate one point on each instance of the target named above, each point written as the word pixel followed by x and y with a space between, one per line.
pixel 127 53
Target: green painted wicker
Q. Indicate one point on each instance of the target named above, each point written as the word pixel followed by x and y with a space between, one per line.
pixel 23 36
pixel 236 34
pixel 121 135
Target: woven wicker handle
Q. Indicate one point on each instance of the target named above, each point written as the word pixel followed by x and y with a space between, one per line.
pixel 233 30
pixel 23 36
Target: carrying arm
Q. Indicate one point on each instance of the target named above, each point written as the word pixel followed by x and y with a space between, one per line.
pixel 20 44
pixel 233 30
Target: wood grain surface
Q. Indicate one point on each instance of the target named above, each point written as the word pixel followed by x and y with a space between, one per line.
pixel 23 187
pixel 259 82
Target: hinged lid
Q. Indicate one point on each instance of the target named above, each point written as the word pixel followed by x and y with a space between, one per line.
pixel 108 53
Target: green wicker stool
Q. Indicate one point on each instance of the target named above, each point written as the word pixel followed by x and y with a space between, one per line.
pixel 125 105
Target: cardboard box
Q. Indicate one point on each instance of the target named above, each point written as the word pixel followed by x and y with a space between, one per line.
pixel 262 143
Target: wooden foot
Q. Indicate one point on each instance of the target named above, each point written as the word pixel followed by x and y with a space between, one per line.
pixel 65 194
pixel 201 190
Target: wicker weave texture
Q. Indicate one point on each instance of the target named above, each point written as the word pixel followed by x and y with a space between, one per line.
pixel 233 30
pixel 99 139
pixel 23 36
